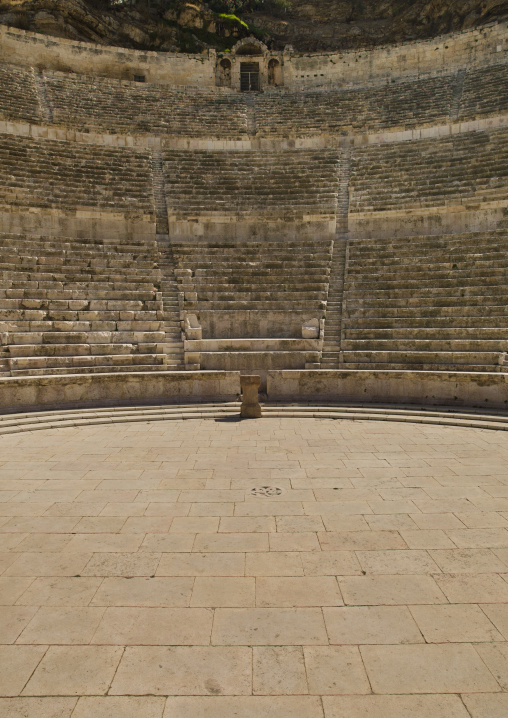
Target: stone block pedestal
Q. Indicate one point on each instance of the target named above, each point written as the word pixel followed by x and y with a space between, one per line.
pixel 250 408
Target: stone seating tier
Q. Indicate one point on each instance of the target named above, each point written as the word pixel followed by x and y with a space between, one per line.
pixel 69 175
pixel 102 104
pixel 485 92
pixel 83 305
pixel 430 173
pixel 408 104
pixel 292 182
pixel 120 107
pixel 234 287
pixel 18 96
pixel 434 302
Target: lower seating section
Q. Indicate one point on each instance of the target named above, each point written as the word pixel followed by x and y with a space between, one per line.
pixel 119 106
pixel 485 92
pixel 18 97
pixel 435 302
pixel 432 172
pixel 402 104
pixel 69 175
pixel 286 183
pixel 258 290
pixel 75 306
pixel 256 279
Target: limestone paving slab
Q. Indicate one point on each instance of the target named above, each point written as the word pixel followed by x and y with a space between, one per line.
pixel 438 706
pixel 374 584
pixel 37 707
pixel 427 668
pixel 244 707
pixel 183 670
pixel 493 705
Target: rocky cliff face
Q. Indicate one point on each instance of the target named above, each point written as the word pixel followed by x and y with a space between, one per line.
pixel 308 25
pixel 332 25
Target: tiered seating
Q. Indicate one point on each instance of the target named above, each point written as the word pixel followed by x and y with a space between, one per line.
pixel 255 289
pixel 18 98
pixel 427 303
pixel 403 104
pixel 282 184
pixel 244 288
pixel 69 175
pixel 485 92
pixel 428 173
pixel 118 106
pixel 75 306
pixel 252 299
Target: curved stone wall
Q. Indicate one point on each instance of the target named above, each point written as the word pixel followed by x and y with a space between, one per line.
pixel 473 48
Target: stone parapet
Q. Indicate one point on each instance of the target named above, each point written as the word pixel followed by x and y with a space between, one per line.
pixel 59 392
pixel 485 390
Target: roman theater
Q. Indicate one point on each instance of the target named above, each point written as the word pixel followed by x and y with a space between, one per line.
pixel 182 235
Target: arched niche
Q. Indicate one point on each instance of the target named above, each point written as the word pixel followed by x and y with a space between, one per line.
pixel 223 75
pixel 274 72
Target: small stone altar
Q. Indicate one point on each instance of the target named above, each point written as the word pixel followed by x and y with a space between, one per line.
pixel 250 408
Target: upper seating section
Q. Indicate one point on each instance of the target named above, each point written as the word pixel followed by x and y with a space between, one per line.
pixel 280 184
pixel 402 104
pixel 485 92
pixel 430 173
pixel 117 106
pixel 69 175
pixel 114 106
pixel 18 97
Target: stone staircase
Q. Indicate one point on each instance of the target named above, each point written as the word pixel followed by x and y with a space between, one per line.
pixel 171 321
pixel 256 289
pixel 427 303
pixel 79 306
pixel 45 109
pixel 252 298
pixel 457 90
pixel 334 307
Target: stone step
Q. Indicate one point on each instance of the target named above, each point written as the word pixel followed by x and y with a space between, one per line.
pixel 432 323
pixel 415 366
pixel 99 369
pixel 62 350
pixel 83 361
pixel 401 334
pixel 133 335
pixel 410 357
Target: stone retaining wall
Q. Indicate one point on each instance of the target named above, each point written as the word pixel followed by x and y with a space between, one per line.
pixel 478 390
pixel 461 389
pixel 439 55
pixel 98 390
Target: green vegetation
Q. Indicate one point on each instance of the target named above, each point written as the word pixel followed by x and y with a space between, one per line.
pixel 232 18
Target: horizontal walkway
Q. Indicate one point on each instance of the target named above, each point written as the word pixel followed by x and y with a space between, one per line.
pixel 291 567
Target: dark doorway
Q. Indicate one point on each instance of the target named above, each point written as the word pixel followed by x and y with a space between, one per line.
pixel 249 76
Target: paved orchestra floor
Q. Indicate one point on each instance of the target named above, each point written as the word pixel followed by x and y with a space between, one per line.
pixel 288 567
